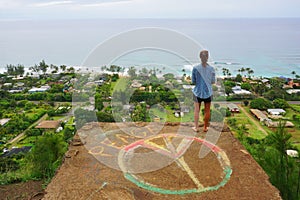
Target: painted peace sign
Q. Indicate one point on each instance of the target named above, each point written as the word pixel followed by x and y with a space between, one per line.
pixel 176 153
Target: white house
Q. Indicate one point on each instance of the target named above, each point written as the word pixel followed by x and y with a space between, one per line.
pixel 43 88
pixel 239 90
pixel 4 121
pixel 292 153
pixel 276 111
pixel 293 91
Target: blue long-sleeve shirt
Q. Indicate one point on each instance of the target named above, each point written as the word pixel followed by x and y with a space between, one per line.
pixel 203 78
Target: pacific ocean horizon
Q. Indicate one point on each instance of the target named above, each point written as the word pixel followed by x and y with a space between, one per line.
pixel 270 47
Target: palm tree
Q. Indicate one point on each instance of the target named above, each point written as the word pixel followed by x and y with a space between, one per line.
pixel 250 72
pixel 242 70
pixel 293 73
pixel 280 141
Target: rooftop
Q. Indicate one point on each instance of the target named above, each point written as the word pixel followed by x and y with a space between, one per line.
pixel 48 124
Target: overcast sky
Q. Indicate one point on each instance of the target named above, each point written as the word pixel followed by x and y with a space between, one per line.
pixel 81 9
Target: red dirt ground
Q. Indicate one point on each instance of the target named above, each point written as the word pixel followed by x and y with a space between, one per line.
pixel 84 177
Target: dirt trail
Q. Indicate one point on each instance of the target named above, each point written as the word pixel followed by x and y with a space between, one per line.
pixel 253 120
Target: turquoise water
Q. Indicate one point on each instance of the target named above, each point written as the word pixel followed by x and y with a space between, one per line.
pixel 271 47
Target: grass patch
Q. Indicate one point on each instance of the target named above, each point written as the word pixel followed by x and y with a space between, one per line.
pixel 253 130
pixel 57 117
pixel 121 84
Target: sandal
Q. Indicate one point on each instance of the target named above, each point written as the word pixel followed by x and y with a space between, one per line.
pixel 205 130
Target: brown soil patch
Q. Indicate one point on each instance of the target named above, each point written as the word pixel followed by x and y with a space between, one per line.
pixel 82 176
pixel 29 190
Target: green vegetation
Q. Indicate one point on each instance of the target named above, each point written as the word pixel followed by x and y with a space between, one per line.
pixel 261 104
pixel 271 154
pixel 140 97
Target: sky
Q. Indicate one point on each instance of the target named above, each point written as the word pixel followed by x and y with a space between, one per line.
pixel 94 9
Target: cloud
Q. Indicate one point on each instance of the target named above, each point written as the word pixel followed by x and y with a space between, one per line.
pixel 51 3
pixel 55 9
pixel 106 3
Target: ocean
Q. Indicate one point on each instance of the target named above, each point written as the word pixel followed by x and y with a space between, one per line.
pixel 270 47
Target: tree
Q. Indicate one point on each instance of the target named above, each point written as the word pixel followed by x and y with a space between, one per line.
pixel 168 76
pixel 238 78
pixel 229 83
pixel 68 133
pixel 280 103
pixel 63 67
pixel 226 72
pixel 140 113
pixel 246 86
pixel 105 117
pixel 43 66
pixel 132 72
pixel 293 73
pixel 15 70
pixel 280 141
pixel 246 102
pixel 261 104
pixel 98 102
pixel 46 155
pixel 216 116
pixel 35 68
pixel 243 70
pixel 217 106
pixel 228 90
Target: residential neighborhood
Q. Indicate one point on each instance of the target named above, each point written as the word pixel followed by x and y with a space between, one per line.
pixel 38 108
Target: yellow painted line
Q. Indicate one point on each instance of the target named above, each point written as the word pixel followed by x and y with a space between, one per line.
pixel 157 146
pixel 190 173
pixel 172 148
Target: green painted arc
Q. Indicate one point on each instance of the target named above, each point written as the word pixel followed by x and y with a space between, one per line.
pixel 227 171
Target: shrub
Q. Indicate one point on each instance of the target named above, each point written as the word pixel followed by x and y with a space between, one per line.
pixel 216 116
pixel 280 103
pixel 261 104
pixel 105 117
pixel 46 155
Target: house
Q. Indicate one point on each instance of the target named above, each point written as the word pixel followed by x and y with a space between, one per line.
pixel 275 124
pixel 16 151
pixel 293 84
pixel 19 84
pixel 239 90
pixel 136 84
pixel 100 82
pixel 276 111
pixel 7 84
pixel 184 109
pixel 49 124
pixel 18 78
pixel 233 108
pixel 4 121
pixel 264 81
pixel 293 91
pixel 259 115
pixel 187 87
pixel 129 108
pixel 16 90
pixel 292 153
pixel 43 88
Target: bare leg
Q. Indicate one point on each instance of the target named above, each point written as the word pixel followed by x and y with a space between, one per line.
pixel 206 115
pixel 196 114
